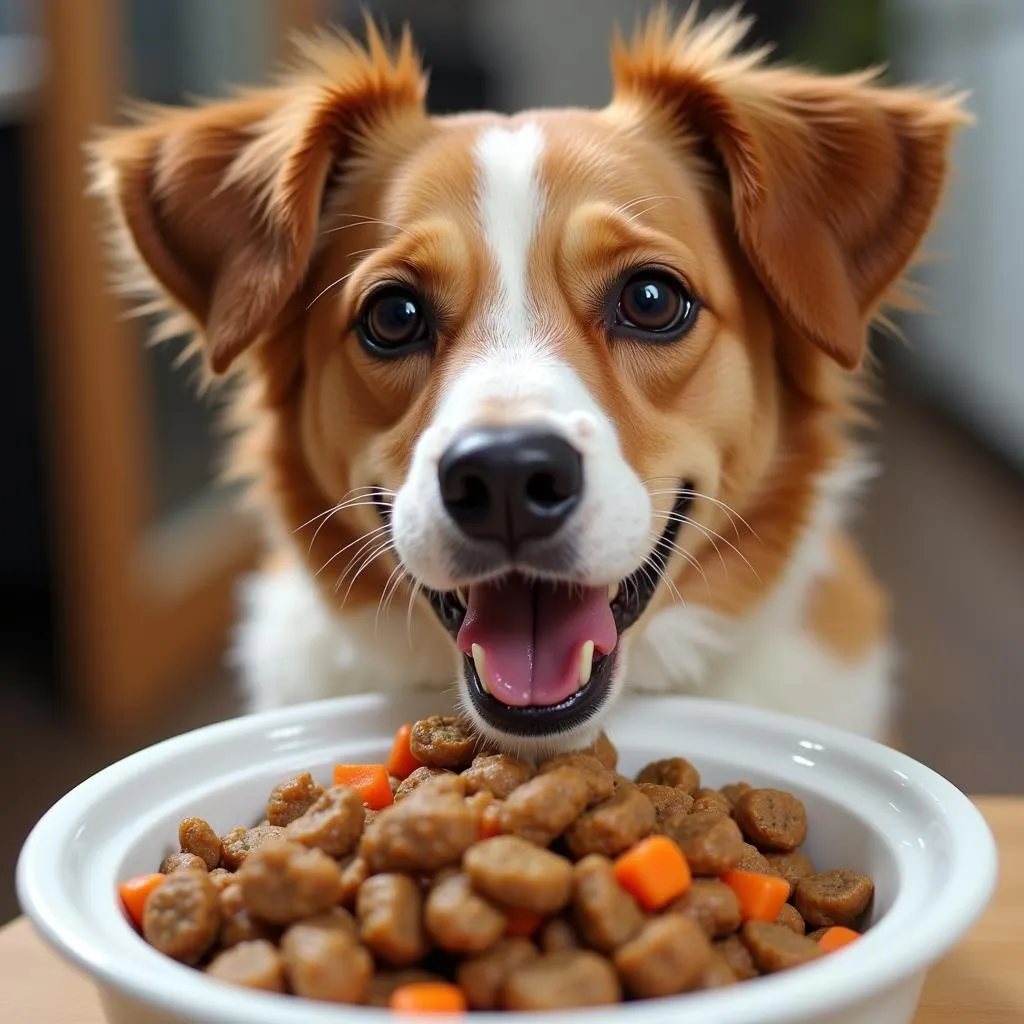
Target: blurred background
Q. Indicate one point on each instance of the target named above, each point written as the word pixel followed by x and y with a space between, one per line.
pixel 119 552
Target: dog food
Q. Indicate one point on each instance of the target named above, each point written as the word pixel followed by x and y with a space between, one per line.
pixel 454 878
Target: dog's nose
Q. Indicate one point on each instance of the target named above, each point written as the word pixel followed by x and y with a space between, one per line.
pixel 510 484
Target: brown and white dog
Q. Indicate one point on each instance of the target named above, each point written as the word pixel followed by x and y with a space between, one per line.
pixel 556 405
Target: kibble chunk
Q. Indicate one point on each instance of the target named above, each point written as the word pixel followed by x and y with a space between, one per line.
pixel 181 862
pixel 443 741
pixel 672 771
pixel 284 881
pixel 605 914
pixel 614 826
pixel 561 981
pixel 332 823
pixel 515 873
pixel 427 831
pixel 668 956
pixel 421 776
pixel 240 842
pixel 771 819
pixel 600 781
pixel 195 836
pixel 459 920
pixel 497 774
pixel 711 842
pixel 737 956
pixel 774 947
pixel 790 917
pixel 712 904
pixel 481 977
pixel 792 865
pixel 181 918
pixel 390 912
pixel 324 961
pixel 543 808
pixel 833 897
pixel 250 964
pixel 291 799
pixel 668 801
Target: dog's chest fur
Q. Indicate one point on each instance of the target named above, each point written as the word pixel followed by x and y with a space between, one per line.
pixel 291 647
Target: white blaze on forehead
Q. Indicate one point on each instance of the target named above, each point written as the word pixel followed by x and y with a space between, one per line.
pixel 510 205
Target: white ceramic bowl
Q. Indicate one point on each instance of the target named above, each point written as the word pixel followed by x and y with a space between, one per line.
pixel 872 809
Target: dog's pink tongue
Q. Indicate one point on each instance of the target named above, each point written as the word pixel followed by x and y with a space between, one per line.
pixel 532 634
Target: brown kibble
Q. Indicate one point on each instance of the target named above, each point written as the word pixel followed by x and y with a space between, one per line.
pixel 181 862
pixel 717 974
pixel 711 800
pixel 497 774
pixel 284 881
pixel 711 842
pixel 737 956
pixel 614 826
pixel 712 904
pixel 323 960
pixel 667 800
pixel 540 810
pixel 791 865
pixel 420 776
pixel 790 917
pixel 390 912
pixel 558 935
pixel 515 873
pixel 481 977
pixel 240 842
pixel 354 871
pixel 195 836
pixel 751 859
pixel 771 819
pixel 427 831
pixel 669 956
pixel 222 878
pixel 561 981
pixel 250 964
pixel 775 947
pixel 237 925
pixel 605 914
pixel 600 781
pixel 291 799
pixel 459 920
pixel 181 918
pixel 672 771
pixel 333 822
pixel 443 741
pixel 833 898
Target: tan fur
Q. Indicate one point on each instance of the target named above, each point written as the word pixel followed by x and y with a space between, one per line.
pixel 791 202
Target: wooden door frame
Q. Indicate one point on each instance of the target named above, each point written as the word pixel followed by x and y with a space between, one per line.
pixel 143 606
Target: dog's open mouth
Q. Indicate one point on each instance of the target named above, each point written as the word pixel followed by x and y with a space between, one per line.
pixel 539 654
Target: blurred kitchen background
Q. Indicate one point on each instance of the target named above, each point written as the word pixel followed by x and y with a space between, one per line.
pixel 118 551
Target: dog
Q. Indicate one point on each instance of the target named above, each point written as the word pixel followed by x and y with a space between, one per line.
pixel 554 406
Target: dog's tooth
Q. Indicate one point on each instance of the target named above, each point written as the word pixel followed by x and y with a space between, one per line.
pixel 613 592
pixel 463 596
pixel 480 661
pixel 586 662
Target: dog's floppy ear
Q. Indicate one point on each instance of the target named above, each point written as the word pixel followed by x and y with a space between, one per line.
pixel 216 209
pixel 834 180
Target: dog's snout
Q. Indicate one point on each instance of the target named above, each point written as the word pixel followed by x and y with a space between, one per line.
pixel 510 485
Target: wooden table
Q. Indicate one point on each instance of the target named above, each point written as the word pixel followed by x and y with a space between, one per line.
pixel 981 982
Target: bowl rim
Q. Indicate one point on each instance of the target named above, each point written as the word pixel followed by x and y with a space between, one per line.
pixel 972 872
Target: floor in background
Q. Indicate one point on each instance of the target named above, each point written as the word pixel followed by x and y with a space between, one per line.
pixel 944 525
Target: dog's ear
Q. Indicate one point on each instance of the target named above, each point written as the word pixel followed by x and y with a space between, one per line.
pixel 216 209
pixel 834 180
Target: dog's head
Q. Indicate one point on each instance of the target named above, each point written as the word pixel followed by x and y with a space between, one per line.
pixel 538 359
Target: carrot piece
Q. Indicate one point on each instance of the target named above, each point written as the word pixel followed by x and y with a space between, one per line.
pixel 654 872
pixel 428 997
pixel 761 896
pixel 522 923
pixel 837 937
pixel 370 779
pixel 401 762
pixel 135 892
pixel 490 822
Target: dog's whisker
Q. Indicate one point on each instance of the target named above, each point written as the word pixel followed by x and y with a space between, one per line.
pixel 373 535
pixel 678 517
pixel 394 581
pixel 323 291
pixel 414 593
pixel 367 544
pixel 383 549
pixel 363 220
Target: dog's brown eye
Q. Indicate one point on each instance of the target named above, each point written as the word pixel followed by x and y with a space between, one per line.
pixel 653 305
pixel 394 322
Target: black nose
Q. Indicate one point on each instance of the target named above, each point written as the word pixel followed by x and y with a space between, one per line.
pixel 510 484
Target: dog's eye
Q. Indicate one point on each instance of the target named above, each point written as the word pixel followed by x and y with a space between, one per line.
pixel 394 322
pixel 653 305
